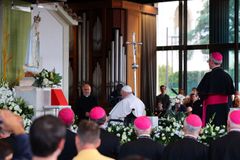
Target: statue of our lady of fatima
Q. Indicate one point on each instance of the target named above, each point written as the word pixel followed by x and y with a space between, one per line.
pixel 32 61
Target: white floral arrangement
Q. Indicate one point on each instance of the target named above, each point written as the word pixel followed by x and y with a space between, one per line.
pixel 125 133
pixel 47 79
pixel 211 132
pixel 169 130
pixel 8 100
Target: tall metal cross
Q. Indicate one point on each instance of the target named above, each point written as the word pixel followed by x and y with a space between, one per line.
pixel 134 65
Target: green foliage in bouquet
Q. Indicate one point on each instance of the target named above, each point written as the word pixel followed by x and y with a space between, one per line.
pixel 126 133
pixel 47 79
pixel 211 132
pixel 169 129
pixel 9 101
pixel 27 110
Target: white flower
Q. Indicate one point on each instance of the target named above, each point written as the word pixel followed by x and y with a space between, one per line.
pixel 160 127
pixel 221 131
pixel 167 129
pixel 213 134
pixel 50 82
pixel 45 82
pixel 157 135
pixel 124 136
pixel 109 129
pixel 17 108
pixel 129 133
pixel 117 128
pixel 9 101
pixel 30 107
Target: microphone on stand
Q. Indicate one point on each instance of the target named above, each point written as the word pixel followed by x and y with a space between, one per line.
pixel 174 91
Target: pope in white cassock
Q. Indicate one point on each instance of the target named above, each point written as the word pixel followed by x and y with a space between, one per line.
pixel 128 104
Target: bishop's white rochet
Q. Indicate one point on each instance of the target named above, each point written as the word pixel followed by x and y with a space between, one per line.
pixel 134 65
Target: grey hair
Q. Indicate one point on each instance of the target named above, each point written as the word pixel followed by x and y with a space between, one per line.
pixel 232 124
pixel 191 129
pixel 140 131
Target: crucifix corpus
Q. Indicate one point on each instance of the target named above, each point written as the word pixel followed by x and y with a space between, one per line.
pixel 134 65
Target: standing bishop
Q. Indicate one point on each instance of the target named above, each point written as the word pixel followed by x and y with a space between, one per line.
pixel 214 90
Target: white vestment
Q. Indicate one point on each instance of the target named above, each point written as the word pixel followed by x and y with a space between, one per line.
pixel 125 106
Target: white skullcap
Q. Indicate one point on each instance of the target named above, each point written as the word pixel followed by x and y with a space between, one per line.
pixel 127 88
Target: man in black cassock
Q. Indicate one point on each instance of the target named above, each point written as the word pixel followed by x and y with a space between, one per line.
pixel 144 146
pixel 116 96
pixel 227 147
pixel 69 151
pixel 215 90
pixel 110 143
pixel 85 103
pixel 187 148
pixel 162 101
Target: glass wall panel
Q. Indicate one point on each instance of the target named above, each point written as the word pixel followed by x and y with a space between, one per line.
pixel 167 70
pixel 231 64
pixel 198 22
pixel 238 21
pixel 238 69
pixel 197 66
pixel 231 21
pixel 167 24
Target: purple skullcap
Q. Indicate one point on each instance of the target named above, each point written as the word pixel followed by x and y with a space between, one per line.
pixel 97 113
pixel 142 123
pixel 234 116
pixel 216 57
pixel 194 120
pixel 66 115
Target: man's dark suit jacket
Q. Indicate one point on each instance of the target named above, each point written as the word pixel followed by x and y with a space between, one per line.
pixel 110 144
pixel 83 105
pixel 144 147
pixel 185 149
pixel 226 147
pixel 69 150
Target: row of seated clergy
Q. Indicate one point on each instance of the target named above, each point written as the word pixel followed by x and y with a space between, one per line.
pixel 147 148
pixel 188 148
pixel 47 137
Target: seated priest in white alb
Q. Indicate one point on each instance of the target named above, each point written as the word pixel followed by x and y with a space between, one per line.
pixel 129 105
